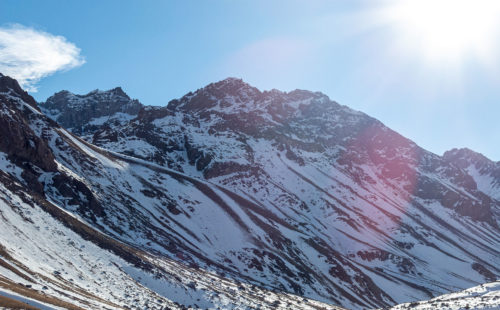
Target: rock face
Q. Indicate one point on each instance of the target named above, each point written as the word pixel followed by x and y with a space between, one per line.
pixel 25 144
pixel 81 113
pixel 18 141
pixel 484 172
pixel 288 191
pixel 10 86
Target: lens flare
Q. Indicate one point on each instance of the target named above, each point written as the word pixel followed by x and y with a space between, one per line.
pixel 384 164
pixel 445 30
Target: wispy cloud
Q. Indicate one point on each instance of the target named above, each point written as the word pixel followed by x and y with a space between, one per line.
pixel 29 55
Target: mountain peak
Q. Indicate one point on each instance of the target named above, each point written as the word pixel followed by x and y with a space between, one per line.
pixel 230 86
pixel 465 154
pixel 76 111
pixel 10 85
pixel 228 92
pixel 233 80
pixel 117 91
pixel 233 94
pixel 75 98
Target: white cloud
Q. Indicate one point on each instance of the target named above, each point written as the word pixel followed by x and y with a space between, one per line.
pixel 29 55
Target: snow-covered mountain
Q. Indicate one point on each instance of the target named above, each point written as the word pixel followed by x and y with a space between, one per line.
pixel 229 197
pixel 485 296
pixel 83 113
pixel 55 252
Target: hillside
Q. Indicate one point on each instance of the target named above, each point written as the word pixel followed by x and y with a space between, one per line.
pixel 232 197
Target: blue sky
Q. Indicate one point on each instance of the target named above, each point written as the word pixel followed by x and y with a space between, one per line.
pixel 160 50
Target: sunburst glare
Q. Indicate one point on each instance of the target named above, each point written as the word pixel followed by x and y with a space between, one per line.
pixel 444 31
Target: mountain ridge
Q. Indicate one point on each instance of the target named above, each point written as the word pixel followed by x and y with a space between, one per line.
pixel 55 247
pixel 296 195
pixel 245 108
pixel 241 83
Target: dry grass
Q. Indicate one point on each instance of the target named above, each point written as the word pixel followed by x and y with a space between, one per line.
pixel 10 303
pixel 33 294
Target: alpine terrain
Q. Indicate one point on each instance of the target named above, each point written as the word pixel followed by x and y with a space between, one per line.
pixel 236 198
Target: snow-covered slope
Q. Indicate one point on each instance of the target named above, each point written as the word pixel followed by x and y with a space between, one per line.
pixel 485 172
pixel 286 191
pixel 44 257
pixel 484 296
pixel 54 250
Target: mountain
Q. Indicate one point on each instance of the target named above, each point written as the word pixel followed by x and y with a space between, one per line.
pixel 484 296
pixel 81 113
pixel 327 187
pixel 56 251
pixel 238 198
pixel 486 174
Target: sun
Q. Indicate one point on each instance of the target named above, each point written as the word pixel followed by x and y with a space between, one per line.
pixel 445 30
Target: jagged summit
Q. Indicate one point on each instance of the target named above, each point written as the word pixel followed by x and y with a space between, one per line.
pixel 94 94
pixel 233 85
pixel 227 86
pixel 484 172
pixel 231 81
pixel 76 112
pixel 229 92
pixel 8 83
pixel 237 84
pixel 10 86
pixel 233 95
pixel 117 91
pixel 230 95
pixel 465 154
